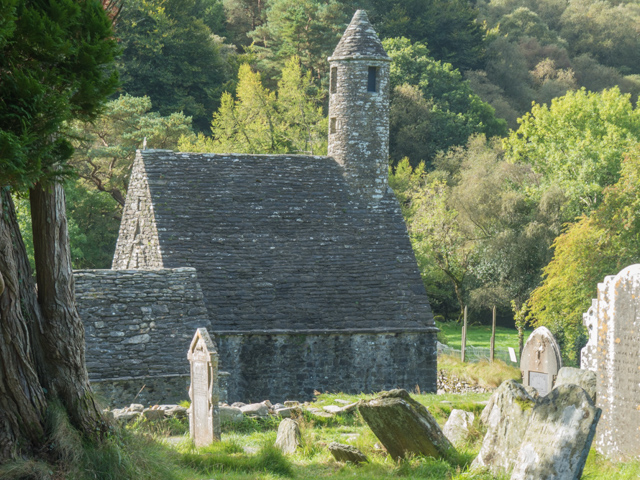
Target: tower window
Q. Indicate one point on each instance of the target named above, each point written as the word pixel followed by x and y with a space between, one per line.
pixel 334 80
pixel 371 83
pixel 332 125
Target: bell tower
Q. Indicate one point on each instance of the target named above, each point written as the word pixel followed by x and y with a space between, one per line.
pixel 359 108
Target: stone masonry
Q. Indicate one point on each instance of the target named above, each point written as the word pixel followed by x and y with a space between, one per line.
pixel 306 268
pixel 138 326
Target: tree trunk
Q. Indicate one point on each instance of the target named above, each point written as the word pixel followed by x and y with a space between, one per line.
pixel 22 399
pixel 61 362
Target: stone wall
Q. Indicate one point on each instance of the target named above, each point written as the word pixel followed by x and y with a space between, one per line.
pixel 291 366
pixel 139 324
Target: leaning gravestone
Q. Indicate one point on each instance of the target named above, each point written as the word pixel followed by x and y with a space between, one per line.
pixel 540 361
pixel 204 421
pixel 618 364
pixel 404 426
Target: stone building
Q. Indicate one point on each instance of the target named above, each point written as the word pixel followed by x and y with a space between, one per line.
pixel 304 263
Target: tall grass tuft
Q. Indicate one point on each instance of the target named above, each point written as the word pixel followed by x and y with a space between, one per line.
pixel 215 459
pixel 488 375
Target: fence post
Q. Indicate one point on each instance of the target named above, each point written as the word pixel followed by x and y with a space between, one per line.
pixel 464 335
pixel 493 335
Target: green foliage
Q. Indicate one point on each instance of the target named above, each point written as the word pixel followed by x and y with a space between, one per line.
pixel 449 27
pixel 438 110
pixel 55 59
pixel 606 30
pixel 474 226
pixel 259 121
pixel 577 143
pixel 307 29
pixel 171 55
pixel 105 148
pixel 591 248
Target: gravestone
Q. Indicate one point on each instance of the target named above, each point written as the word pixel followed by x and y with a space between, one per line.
pixel 540 361
pixel 588 353
pixel 204 421
pixel 404 426
pixel 618 364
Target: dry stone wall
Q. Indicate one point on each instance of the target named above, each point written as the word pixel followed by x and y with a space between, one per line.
pixel 138 326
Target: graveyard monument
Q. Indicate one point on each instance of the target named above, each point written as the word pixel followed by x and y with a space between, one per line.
pixel 617 364
pixel 204 420
pixel 540 361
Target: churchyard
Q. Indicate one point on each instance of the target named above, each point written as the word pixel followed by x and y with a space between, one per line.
pixel 246 450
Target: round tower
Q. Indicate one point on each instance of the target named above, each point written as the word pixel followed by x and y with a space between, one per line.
pixel 359 108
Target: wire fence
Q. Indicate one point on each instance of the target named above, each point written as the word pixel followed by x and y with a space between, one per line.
pixel 475 354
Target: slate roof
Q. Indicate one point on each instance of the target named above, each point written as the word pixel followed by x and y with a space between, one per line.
pixel 280 244
pixel 359 40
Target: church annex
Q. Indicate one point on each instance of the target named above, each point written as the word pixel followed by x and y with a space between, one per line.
pixel 299 266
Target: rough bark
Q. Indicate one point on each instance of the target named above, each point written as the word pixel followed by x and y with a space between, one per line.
pixel 60 341
pixel 22 399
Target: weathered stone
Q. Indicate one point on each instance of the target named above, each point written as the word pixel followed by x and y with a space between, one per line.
pixel 543 439
pixel 559 435
pixel 540 360
pixel 346 453
pixel 230 415
pixel 404 426
pixel 136 407
pixel 577 376
pixel 255 409
pixel 618 364
pixel 176 411
pixel 125 416
pixel 457 427
pixel 288 412
pixel 289 438
pixel 332 409
pixel 588 355
pixel 291 403
pixel 508 415
pixel 153 415
pixel 204 421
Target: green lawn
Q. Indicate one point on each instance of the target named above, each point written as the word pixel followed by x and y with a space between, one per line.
pixel 154 451
pixel 480 335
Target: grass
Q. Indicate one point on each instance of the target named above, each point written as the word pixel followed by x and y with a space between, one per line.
pixel 149 451
pixel 488 375
pixel 479 335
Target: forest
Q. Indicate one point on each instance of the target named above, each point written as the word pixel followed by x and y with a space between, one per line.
pixel 515 132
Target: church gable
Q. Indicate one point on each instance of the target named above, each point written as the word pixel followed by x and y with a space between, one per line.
pixel 138 245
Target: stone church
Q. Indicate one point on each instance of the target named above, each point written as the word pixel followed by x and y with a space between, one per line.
pixel 299 266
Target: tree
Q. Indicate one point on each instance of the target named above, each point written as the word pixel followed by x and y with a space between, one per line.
pixel 472 220
pixel 171 55
pixel 455 112
pixel 594 246
pixel 307 29
pixel 55 67
pixel 105 147
pixel 606 30
pixel 448 27
pixel 259 121
pixel 577 143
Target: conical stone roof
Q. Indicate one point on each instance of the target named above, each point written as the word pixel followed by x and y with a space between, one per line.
pixel 359 40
